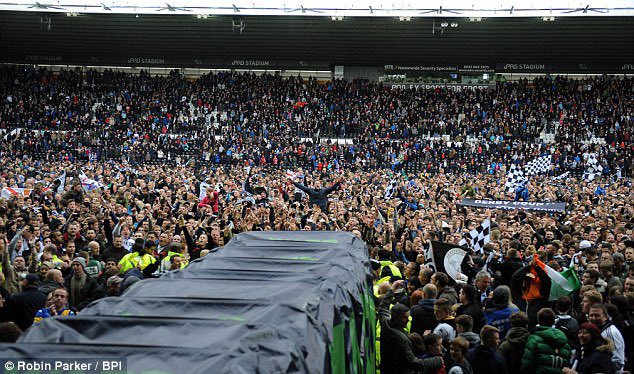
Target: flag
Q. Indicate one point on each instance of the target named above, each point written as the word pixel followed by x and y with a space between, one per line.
pixel 291 175
pixel 9 192
pixel 562 176
pixel 593 168
pixel 537 166
pixel 88 184
pixel 518 176
pixel 515 177
pixel 391 188
pixel 562 284
pixel 62 183
pixel 446 257
pixel 478 237
pixel 203 190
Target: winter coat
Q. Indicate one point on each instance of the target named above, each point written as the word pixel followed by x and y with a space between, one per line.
pixel 595 358
pixel 512 348
pixel 450 294
pixel 476 314
pixel 318 197
pixel 48 286
pixel 472 338
pixel 500 318
pixel 423 317
pixel 24 305
pixel 397 356
pixel 547 351
pixel 484 359
pixel 461 368
pixel 89 287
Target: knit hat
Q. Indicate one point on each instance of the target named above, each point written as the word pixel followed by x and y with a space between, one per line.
pixel 500 297
pixel 81 261
pixel 49 264
pixel 32 280
pixel 130 281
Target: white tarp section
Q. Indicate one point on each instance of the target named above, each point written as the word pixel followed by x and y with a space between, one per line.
pixel 335 9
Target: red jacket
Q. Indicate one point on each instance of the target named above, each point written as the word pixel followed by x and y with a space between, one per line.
pixel 212 201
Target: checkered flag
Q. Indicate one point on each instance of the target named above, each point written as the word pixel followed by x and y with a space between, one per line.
pixel 391 188
pixel 593 168
pixel 537 166
pixel 562 176
pixel 515 177
pixel 478 237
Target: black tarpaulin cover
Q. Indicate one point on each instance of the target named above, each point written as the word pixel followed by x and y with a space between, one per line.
pixel 267 302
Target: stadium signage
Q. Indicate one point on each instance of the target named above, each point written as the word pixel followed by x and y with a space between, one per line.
pixel 476 68
pixel 524 67
pixel 43 58
pixel 149 61
pixel 473 68
pixel 252 63
pixel 541 206
pixel 433 86
pixel 420 68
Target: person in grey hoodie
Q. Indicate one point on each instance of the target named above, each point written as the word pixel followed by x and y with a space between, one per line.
pixel 464 327
pixel 441 281
pixel 512 348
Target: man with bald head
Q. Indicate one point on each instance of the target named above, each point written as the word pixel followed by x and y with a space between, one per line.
pixel 53 279
pixel 422 314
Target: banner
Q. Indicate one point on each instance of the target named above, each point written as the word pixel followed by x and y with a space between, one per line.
pixel 88 184
pixel 9 192
pixel 446 86
pixel 541 206
pixel 447 257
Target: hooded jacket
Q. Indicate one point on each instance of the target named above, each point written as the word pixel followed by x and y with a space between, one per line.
pixel 423 317
pixel 397 356
pixel 450 294
pixel 547 351
pixel 595 358
pixel 476 313
pixel 471 337
pixel 512 348
pixel 484 359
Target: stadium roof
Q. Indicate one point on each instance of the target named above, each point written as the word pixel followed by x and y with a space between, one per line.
pixel 309 43
pixel 336 8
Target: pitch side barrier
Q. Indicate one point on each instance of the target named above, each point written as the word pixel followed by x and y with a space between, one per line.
pixel 275 302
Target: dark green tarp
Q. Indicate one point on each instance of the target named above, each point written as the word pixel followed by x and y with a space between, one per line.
pixel 266 302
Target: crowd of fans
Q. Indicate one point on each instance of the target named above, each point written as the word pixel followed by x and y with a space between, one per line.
pixel 231 118
pixel 177 167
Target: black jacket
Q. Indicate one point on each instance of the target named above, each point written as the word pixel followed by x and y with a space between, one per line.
pixel 507 269
pixel 24 305
pixel 89 287
pixel 484 359
pixel 397 356
pixel 423 317
pixel 115 253
pixel 475 312
pixel 512 348
pixel 595 359
pixel 318 197
pixel 99 293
